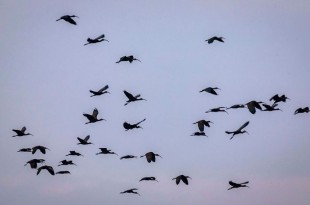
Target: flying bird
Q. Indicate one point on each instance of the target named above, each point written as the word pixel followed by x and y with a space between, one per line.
pixel 100 92
pixel 66 162
pixel 215 38
pixel 93 117
pixel 63 172
pixel 202 123
pixel 24 150
pixel 236 106
pixel 218 109
pixel 271 107
pixel 199 134
pixel 276 98
pixel 130 59
pixel 128 157
pixel 20 133
pixel 210 90
pixel 148 179
pixel 237 185
pixel 132 98
pixel 34 163
pixel 181 178
pixel 105 151
pixel 96 40
pixel 74 153
pixel 42 149
pixel 128 126
pixel 151 157
pixel 48 168
pixel 68 18
pixel 84 141
pixel 239 131
pixel 253 105
pixel 130 191
pixel 301 110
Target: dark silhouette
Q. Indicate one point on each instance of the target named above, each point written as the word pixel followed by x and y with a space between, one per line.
pixel 74 153
pixel 95 40
pixel 301 110
pixel 42 149
pixel 236 106
pixel 181 177
pixel 276 98
pixel 132 98
pixel 215 38
pixel 130 59
pixel 128 126
pixel 271 107
pixel 68 18
pixel 239 131
pixel 63 172
pixel 84 141
pixel 151 157
pixel 48 168
pixel 24 150
pixel 210 90
pixel 218 109
pixel 237 185
pixel 34 163
pixel 128 157
pixel 93 117
pixel 252 105
pixel 99 92
pixel 130 191
pixel 202 123
pixel 66 162
pixel 148 179
pixel 105 151
pixel 199 134
pixel 21 132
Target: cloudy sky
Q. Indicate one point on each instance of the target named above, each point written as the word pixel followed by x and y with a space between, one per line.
pixel 46 75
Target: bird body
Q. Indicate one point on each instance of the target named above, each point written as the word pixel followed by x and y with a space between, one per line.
pixel 68 18
pixel 151 157
pixel 21 132
pixel 92 118
pixel 128 126
pixel 210 90
pixel 182 178
pixel 99 92
pixel 238 131
pixel 130 191
pixel 130 59
pixel 148 179
pixel 237 185
pixel 236 106
pixel 215 38
pixel 128 157
pixel 301 110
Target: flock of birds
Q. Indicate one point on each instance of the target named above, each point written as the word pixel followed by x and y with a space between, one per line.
pixel 252 106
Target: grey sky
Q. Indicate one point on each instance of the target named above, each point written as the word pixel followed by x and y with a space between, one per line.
pixel 46 75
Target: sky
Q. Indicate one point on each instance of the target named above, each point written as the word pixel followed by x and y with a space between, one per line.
pixel 46 75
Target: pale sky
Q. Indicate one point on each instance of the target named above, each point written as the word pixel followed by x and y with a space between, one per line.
pixel 46 75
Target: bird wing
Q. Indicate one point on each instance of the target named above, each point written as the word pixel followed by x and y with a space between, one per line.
pixel 129 95
pixel 268 106
pixel 177 181
pixel 201 126
pixel 245 182
pixel 274 97
pixel 100 37
pixel 50 170
pixel 81 141
pixel 86 138
pixel 149 157
pixel 212 91
pixel 42 149
pixel 233 183
pixel 23 129
pixel 95 113
pixel 70 20
pixel 103 89
pixel 251 108
pixel 137 96
pixel 133 189
pixel 34 149
pixel 104 149
pixel 39 170
pixel 244 125
pixel 88 116
pixel 184 179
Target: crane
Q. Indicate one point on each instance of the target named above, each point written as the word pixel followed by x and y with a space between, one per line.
pixel 215 38
pixel 105 151
pixel 63 172
pixel 100 92
pixel 202 123
pixel 132 98
pixel 21 132
pixel 237 185
pixel 66 162
pixel 68 18
pixel 46 167
pixel 93 117
pixel 239 131
pixel 42 149
pixel 182 178
pixel 24 150
pixel 148 179
pixel 236 106
pixel 84 141
pixel 199 134
pixel 74 153
pixel 34 163
pixel 128 126
pixel 271 107
pixel 151 156
pixel 130 191
pixel 253 105
pixel 276 98
pixel 128 157
pixel 130 59
pixel 218 109
pixel 210 90
pixel 96 40
pixel 301 110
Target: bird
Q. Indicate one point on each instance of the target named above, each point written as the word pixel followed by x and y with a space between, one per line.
pixel 68 18
pixel 24 150
pixel 130 191
pixel 183 178
pixel 128 157
pixel 63 172
pixel 74 153
pixel 301 110
pixel 271 107
pixel 96 40
pixel 202 123
pixel 276 98
pixel 128 126
pixel 100 92
pixel 239 131
pixel 151 157
pixel 20 133
pixel 252 105
pixel 218 109
pixel 46 167
pixel 148 179
pixel 41 148
pixel 199 134
pixel 132 98
pixel 130 59
pixel 215 38
pixel 93 117
pixel 210 90
pixel 237 185
pixel 236 106
pixel 105 151
pixel 34 163
pixel 84 141
pixel 66 162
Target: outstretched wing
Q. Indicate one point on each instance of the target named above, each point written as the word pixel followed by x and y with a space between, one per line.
pixel 137 96
pixel 184 179
pixel 201 126
pixel 274 97
pixel 86 138
pixel 23 129
pixel 233 183
pixel 244 125
pixel 70 20
pixel 95 113
pixel 99 37
pixel 50 170
pixel 129 95
pixel 103 89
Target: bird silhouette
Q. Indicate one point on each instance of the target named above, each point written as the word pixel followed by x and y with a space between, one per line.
pixel 74 153
pixel 271 107
pixel 66 162
pixel 218 109
pixel 215 38
pixel 63 172
pixel 148 179
pixel 100 92
pixel 34 163
pixel 301 110
pixel 42 149
pixel 46 167
pixel 151 156
pixel 84 141
pixel 210 90
pixel 68 18
pixel 237 185
pixel 253 105
pixel 128 157
pixel 20 133
pixel 105 151
pixel 239 131
pixel 130 191
pixel 130 59
pixel 199 134
pixel 96 40
pixel 181 177
pixel 93 117
pixel 128 126
pixel 202 123
pixel 236 106
pixel 132 98
pixel 276 98
pixel 24 150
